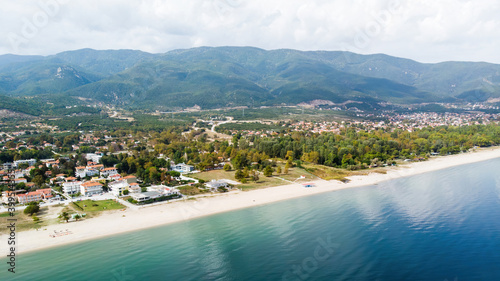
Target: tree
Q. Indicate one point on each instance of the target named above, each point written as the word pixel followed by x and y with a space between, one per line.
pixel 36 219
pixel 255 176
pixel 77 217
pixel 278 170
pixel 39 180
pixel 32 208
pixel 64 216
pixel 268 171
pixel 227 167
pixel 239 175
pixel 126 192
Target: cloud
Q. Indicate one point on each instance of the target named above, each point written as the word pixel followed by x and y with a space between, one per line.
pixel 424 30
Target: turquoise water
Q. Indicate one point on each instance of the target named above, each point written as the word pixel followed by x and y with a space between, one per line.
pixel 443 225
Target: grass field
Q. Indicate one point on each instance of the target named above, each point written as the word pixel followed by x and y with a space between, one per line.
pixel 277 179
pixel 47 216
pixel 50 215
pixel 96 206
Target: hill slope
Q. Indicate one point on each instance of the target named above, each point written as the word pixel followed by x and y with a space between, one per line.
pixel 232 76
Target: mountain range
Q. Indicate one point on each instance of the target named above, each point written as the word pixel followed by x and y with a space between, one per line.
pixel 214 77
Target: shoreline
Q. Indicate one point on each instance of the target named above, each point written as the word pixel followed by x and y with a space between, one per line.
pixel 120 222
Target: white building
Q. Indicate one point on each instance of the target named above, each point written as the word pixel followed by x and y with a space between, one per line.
pixel 18 174
pixel 72 187
pixel 93 157
pixel 80 172
pixel 182 168
pixel 164 190
pixel 118 187
pixel 134 188
pixel 108 172
pixel 8 166
pixel 90 188
pixel 214 185
pixel 30 162
pixel 141 197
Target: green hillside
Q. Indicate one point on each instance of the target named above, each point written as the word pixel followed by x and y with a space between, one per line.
pixel 235 76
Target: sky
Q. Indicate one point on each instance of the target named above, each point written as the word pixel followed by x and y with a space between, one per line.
pixel 423 30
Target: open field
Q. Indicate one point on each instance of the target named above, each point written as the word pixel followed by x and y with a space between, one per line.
pixel 293 175
pixel 47 216
pixel 94 208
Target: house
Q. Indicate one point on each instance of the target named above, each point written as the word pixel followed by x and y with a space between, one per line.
pixel 115 177
pixel 182 168
pixel 69 179
pixel 10 194
pixel 141 197
pixel 29 197
pixel 28 170
pixel 108 172
pixel 134 188
pixel 46 193
pixel 18 174
pixel 90 171
pixel 80 172
pixel 30 162
pixel 214 185
pixel 51 163
pixel 90 188
pixel 118 187
pixel 20 180
pixel 71 187
pixel 8 166
pixel 130 179
pixel 164 190
pixel 93 157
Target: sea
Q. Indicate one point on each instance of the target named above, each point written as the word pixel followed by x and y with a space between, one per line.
pixel 442 225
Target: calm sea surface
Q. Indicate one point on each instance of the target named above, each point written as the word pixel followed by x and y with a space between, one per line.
pixel 443 225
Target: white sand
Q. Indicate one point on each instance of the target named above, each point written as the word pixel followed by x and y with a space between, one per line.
pixel 134 219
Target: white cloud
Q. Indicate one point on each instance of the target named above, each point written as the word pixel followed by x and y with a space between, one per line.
pixel 424 30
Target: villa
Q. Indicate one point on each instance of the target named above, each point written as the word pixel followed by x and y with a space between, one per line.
pixel 182 168
pixel 214 185
pixel 118 187
pixel 91 188
pixel 108 172
pixel 71 187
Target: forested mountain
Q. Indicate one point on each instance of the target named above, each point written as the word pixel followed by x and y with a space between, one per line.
pixel 234 76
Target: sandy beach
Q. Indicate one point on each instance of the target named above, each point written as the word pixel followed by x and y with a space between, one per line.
pixel 141 218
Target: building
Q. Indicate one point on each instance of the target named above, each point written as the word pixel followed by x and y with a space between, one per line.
pixel 96 158
pixel 164 190
pixel 46 193
pixel 130 179
pixel 90 188
pixel 20 180
pixel 51 163
pixel 29 197
pixel 71 187
pixel 8 166
pixel 182 168
pixel 118 187
pixel 18 174
pixel 30 162
pixel 10 194
pixel 134 188
pixel 88 171
pixel 80 172
pixel 141 197
pixel 115 177
pixel 214 185
pixel 108 172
